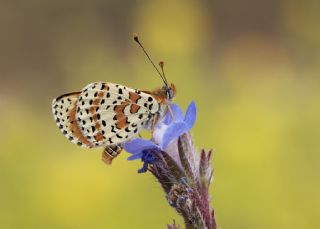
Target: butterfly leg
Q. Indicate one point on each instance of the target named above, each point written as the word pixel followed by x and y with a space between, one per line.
pixel 155 118
pixel 170 111
pixel 111 152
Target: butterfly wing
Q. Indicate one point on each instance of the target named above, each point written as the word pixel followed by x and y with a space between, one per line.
pixel 64 112
pixel 110 113
pixel 103 114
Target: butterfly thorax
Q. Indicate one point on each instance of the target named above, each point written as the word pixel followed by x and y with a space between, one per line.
pixel 163 96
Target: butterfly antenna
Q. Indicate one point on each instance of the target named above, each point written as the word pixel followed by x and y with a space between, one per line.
pixel 135 37
pixel 161 64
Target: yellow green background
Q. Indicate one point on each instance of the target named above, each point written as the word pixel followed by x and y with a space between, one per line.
pixel 251 66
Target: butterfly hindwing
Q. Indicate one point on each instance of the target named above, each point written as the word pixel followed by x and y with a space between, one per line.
pixel 64 111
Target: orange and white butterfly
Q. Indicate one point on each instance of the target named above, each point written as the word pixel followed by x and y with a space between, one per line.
pixel 107 115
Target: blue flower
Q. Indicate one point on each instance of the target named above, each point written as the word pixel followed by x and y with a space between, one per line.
pixel 148 157
pixel 167 130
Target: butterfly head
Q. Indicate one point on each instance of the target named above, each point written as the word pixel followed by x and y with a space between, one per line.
pixel 170 91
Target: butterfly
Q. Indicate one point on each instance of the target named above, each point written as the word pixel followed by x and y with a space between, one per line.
pixel 105 114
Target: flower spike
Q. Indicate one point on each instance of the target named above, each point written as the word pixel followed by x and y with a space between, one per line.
pixel 184 175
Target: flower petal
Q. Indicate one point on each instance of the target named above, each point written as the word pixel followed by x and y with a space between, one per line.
pixel 172 132
pixel 176 112
pixel 166 119
pixel 135 156
pixel 137 146
pixel 191 115
pixel 158 133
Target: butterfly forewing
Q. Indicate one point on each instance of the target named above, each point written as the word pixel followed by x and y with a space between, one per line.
pixel 105 114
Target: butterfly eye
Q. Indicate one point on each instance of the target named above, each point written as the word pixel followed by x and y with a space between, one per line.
pixel 169 93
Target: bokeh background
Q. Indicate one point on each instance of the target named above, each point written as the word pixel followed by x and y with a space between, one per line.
pixel 252 66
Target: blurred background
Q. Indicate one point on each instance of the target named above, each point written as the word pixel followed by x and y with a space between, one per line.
pixel 252 66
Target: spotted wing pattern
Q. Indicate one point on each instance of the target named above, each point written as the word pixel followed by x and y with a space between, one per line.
pixel 104 114
pixel 64 112
pixel 110 113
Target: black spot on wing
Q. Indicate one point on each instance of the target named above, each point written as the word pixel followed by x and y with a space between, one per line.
pixel 119 136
